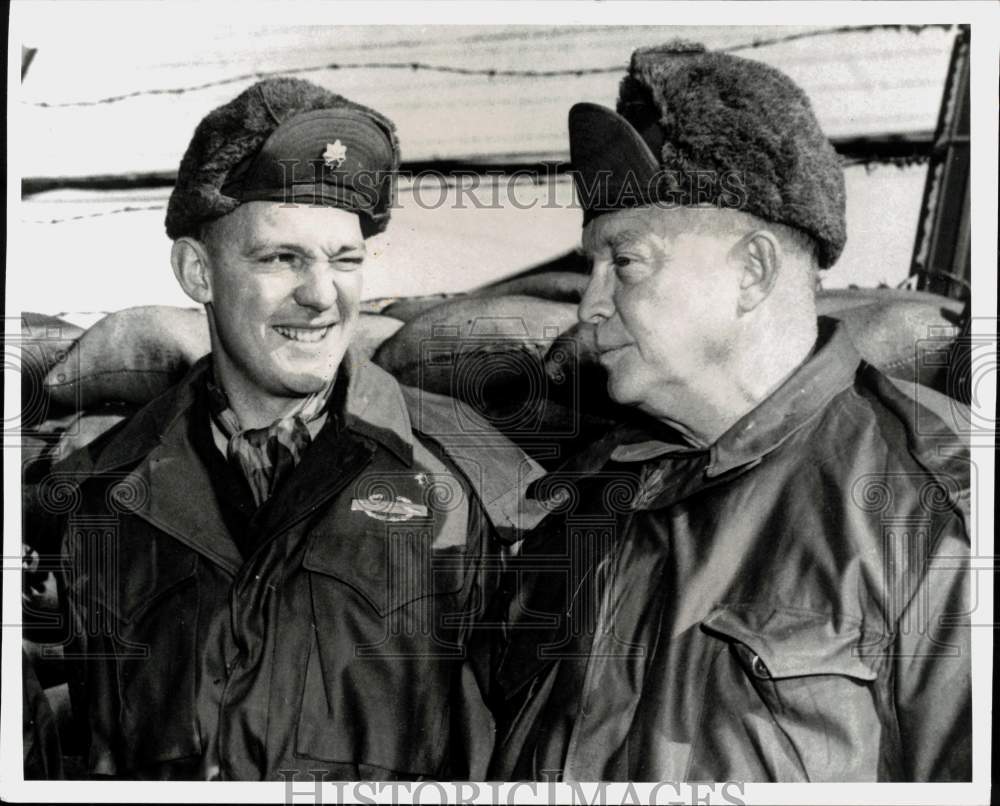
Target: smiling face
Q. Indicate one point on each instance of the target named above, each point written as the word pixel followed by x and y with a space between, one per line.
pixel 663 295
pixel 284 287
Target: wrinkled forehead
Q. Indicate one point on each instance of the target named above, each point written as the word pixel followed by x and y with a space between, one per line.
pixel 613 229
pixel 662 222
pixel 306 225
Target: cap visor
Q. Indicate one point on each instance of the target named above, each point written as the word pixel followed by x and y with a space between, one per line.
pixel 608 155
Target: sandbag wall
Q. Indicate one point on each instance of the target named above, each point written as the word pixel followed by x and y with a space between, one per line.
pixel 514 351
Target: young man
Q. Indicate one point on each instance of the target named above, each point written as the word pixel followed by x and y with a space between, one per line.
pixel 767 580
pixel 271 570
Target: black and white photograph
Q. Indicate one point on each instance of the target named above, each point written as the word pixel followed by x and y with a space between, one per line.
pixel 500 403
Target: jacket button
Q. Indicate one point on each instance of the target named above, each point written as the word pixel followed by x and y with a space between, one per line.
pixel 759 669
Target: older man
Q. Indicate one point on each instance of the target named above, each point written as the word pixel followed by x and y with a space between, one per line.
pixel 764 577
pixel 271 569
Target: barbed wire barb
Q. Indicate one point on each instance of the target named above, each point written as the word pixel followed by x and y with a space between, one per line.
pixel 101 214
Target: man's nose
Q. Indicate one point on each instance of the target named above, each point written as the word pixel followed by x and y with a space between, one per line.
pixel 596 304
pixel 316 288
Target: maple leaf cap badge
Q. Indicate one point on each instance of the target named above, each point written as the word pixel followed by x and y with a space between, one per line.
pixel 335 154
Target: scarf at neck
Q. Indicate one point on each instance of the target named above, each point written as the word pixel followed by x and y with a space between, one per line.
pixel 265 456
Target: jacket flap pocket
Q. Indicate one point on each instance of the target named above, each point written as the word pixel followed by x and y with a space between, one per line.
pixel 792 642
pixel 131 569
pixel 391 566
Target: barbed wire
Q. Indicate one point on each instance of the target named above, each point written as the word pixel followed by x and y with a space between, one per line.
pixel 415 66
pixel 116 211
pixel 871 163
pixel 840 29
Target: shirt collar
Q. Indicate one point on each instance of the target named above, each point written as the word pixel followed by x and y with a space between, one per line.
pixel 830 369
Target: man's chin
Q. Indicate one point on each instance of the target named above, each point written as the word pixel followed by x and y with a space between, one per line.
pixel 308 380
pixel 304 384
pixel 621 391
pixel 307 376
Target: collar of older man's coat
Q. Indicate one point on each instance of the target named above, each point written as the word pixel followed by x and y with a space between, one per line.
pixel 374 407
pixel 829 370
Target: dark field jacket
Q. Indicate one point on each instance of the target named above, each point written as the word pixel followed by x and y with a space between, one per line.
pixel 791 604
pixel 338 639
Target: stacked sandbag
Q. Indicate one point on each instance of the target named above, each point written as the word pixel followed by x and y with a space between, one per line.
pixel 531 369
pixel 130 356
pixel 50 429
pixel 51 442
pixel 45 341
pixel 409 308
pixel 906 334
pixel 467 346
pixel 490 353
pixel 475 342
pixel 521 359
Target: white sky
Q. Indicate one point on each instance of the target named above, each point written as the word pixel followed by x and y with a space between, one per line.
pixel 860 83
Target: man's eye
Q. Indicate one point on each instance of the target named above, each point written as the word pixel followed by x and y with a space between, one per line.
pixel 349 263
pixel 627 266
pixel 280 258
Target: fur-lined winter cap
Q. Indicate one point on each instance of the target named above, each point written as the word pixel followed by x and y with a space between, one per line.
pixel 695 127
pixel 288 140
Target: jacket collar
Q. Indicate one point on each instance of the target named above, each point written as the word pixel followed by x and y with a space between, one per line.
pixel 374 407
pixel 176 488
pixel 830 369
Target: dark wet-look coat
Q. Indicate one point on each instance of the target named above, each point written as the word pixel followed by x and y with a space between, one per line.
pixel 789 605
pixel 329 630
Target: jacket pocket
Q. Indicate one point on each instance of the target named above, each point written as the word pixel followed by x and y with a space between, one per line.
pixel 388 644
pixel 388 567
pixel 146 587
pixel 148 572
pixel 790 697
pixel 791 643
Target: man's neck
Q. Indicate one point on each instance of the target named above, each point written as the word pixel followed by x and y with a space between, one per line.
pixel 259 411
pixel 253 407
pixel 723 396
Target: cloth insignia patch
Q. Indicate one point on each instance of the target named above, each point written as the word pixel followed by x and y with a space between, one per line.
pixel 385 509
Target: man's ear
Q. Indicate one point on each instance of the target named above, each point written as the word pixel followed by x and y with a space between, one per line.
pixel 761 261
pixel 190 261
